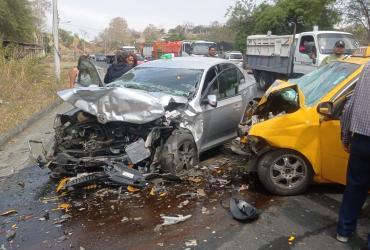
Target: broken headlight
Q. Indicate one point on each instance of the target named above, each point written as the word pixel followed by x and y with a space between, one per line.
pixel 57 121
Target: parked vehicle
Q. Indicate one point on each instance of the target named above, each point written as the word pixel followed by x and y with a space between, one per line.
pixel 128 49
pixel 294 134
pixel 100 58
pixel 235 56
pixel 158 117
pixel 165 47
pixel 200 48
pixel 274 57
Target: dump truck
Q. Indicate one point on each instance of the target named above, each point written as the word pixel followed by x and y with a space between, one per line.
pixel 272 57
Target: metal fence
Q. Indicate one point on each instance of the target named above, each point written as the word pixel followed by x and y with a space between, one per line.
pixel 18 50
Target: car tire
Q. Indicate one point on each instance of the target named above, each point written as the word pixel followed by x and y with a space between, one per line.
pixel 284 172
pixel 179 153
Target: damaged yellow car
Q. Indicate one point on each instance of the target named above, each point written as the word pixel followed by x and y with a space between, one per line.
pixel 294 131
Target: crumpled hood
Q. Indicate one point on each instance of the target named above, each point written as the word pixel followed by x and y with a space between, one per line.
pixel 120 104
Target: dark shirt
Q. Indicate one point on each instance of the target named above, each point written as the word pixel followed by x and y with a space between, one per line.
pixel 115 71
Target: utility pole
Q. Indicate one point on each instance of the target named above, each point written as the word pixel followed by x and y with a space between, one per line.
pixel 56 40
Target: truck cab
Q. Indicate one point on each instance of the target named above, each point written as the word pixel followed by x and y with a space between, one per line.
pixel 272 57
pixel 312 47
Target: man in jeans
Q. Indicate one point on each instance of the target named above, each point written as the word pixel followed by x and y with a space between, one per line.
pixel 355 124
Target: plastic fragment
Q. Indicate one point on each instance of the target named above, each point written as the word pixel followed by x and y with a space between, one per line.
pixel 132 189
pixel 9 212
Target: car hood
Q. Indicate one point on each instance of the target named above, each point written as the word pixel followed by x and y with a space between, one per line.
pixel 120 104
pixel 281 98
pixel 279 86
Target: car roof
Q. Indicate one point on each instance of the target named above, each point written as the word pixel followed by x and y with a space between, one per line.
pixel 185 63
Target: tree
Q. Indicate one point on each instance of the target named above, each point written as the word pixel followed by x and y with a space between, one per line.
pixel 304 13
pixel 116 34
pixel 39 9
pixel 151 33
pixel 16 20
pixel 176 34
pixel 241 21
pixel 247 18
pixel 66 38
pixel 357 16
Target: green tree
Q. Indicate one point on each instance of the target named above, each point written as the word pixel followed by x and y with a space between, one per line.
pixel 16 20
pixel 176 34
pixel 356 15
pixel 304 13
pixel 246 17
pixel 241 21
pixel 66 37
pixel 151 33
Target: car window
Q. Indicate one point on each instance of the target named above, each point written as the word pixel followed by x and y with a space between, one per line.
pixel 227 83
pixel 240 76
pixel 341 101
pixel 211 74
pixel 87 74
pixel 318 83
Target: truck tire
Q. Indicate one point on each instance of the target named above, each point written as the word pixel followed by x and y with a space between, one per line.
pixel 179 152
pixel 264 80
pixel 284 172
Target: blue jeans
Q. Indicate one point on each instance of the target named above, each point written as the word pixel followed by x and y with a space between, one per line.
pixel 358 184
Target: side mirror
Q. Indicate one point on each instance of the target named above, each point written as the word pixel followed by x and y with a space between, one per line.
pixel 211 100
pixel 326 109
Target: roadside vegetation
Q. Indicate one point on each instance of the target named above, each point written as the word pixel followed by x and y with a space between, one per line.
pixel 27 86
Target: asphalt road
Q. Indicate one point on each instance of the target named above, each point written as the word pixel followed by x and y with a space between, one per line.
pixel 116 219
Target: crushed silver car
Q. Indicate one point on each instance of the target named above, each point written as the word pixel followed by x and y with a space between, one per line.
pixel 158 117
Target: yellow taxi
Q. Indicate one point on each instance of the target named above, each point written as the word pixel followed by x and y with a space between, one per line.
pixel 294 134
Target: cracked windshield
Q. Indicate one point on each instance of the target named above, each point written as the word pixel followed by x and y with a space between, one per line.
pixel 213 124
pixel 180 82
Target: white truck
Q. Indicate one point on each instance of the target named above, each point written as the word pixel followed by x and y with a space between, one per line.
pixel 272 57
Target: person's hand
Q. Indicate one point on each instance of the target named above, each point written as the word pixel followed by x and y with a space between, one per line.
pixel 346 147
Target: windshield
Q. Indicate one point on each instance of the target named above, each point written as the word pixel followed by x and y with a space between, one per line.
pixel 180 82
pixel 327 42
pixel 201 48
pixel 319 82
pixel 236 56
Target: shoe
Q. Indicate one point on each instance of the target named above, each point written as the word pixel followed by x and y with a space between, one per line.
pixel 343 239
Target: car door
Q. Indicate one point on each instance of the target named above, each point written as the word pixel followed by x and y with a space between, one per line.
pixel 333 157
pixel 89 74
pixel 221 122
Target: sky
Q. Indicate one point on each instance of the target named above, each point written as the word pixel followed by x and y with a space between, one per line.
pixel 89 17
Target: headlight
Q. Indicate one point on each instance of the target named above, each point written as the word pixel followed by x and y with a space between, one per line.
pixel 57 121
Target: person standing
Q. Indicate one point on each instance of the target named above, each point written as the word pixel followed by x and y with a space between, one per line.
pixel 132 60
pixel 212 52
pixel 355 126
pixel 116 70
pixel 338 53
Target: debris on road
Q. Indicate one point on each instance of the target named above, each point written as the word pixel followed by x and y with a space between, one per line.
pixel 242 210
pixel 9 212
pixel 64 206
pixel 191 243
pixel 291 239
pixel 171 220
pixel 10 234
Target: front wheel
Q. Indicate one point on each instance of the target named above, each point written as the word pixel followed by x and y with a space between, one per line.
pixel 179 152
pixel 285 172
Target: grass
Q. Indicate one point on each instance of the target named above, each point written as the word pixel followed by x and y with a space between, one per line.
pixel 26 87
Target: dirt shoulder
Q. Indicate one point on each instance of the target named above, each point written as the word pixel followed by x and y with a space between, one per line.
pixel 28 86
